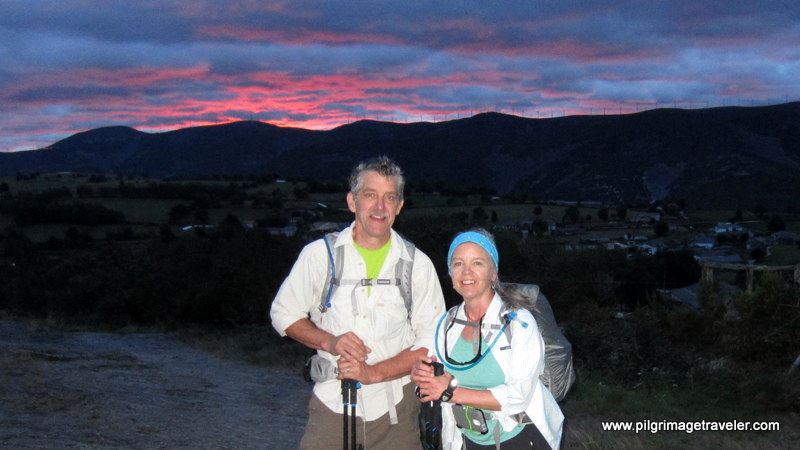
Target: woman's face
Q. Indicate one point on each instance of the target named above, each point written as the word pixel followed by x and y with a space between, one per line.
pixel 472 271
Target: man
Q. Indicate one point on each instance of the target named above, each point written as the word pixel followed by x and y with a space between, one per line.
pixel 367 331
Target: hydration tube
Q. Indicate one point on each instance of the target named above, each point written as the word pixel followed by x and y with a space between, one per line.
pixel 511 316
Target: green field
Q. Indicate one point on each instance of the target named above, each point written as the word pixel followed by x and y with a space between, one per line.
pixel 149 212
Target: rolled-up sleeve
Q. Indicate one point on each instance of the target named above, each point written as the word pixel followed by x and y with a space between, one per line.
pixel 522 376
pixel 428 301
pixel 300 292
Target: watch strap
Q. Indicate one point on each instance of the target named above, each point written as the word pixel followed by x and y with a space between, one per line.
pixel 448 392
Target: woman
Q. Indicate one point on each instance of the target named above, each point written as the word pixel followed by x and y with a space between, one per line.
pixel 490 392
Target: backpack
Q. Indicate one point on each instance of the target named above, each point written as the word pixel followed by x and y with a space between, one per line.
pixel 402 273
pixel 559 373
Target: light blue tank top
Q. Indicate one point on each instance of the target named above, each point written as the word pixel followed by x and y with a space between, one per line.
pixel 487 373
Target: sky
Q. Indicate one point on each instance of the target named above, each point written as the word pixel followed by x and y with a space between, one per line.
pixel 67 66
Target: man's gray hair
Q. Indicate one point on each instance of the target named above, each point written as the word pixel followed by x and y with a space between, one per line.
pixel 382 165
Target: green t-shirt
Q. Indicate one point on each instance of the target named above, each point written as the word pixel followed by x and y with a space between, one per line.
pixel 487 373
pixel 374 259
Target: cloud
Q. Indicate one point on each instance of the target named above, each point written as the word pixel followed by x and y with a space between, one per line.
pixel 69 66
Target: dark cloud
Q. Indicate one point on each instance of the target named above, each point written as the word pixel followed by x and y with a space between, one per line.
pixel 101 20
pixel 68 66
pixel 59 94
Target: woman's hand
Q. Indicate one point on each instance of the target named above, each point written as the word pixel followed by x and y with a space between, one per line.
pixel 429 386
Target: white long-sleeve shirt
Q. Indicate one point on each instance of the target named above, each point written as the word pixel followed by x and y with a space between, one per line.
pixel 522 362
pixel 378 317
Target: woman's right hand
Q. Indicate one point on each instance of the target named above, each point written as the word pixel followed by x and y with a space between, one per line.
pixel 422 368
pixel 429 386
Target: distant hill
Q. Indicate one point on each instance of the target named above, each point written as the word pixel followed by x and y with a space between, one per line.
pixel 725 157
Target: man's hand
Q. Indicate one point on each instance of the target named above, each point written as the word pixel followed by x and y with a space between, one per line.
pixel 355 370
pixel 352 357
pixel 349 346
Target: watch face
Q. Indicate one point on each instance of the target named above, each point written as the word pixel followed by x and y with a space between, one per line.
pixel 448 393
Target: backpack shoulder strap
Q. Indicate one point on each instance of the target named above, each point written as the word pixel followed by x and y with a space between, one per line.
pixel 334 274
pixel 504 311
pixel 402 274
pixel 531 294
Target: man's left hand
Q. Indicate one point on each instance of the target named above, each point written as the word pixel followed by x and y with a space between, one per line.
pixel 354 369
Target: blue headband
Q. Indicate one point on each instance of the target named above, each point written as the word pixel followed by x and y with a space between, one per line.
pixel 475 238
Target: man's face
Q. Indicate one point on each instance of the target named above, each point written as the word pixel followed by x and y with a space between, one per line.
pixel 375 206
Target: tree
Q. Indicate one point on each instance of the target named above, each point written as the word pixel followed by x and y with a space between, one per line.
pixel 123 233
pixel 776 223
pixel 230 226
pixel 540 226
pixel 602 214
pixel 300 193
pixel 479 215
pixel 622 212
pixel 758 253
pixel 75 238
pixel 200 216
pixel 673 209
pixel 166 234
pixel 661 228
pixel 178 213
pixel 572 213
pixel 537 211
pixel 760 210
pixel 459 218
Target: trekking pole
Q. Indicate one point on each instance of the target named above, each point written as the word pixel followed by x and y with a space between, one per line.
pixel 353 401
pixel 435 418
pixel 345 421
pixel 349 397
pixel 431 416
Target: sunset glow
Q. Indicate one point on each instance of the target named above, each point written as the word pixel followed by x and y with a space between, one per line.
pixel 158 66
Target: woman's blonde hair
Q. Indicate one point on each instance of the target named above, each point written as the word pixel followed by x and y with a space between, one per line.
pixel 512 297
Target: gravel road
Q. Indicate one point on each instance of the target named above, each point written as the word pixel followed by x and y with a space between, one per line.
pixel 103 390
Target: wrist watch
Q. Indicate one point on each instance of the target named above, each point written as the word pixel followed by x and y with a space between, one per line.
pixel 448 393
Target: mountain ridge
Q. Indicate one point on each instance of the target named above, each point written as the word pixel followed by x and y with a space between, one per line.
pixel 725 156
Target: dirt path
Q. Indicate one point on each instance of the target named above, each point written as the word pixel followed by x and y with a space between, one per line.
pixel 100 390
pixel 151 391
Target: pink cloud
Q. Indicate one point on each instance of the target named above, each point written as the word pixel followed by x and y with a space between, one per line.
pixel 292 36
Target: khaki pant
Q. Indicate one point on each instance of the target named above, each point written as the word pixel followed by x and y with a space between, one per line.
pixel 324 429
